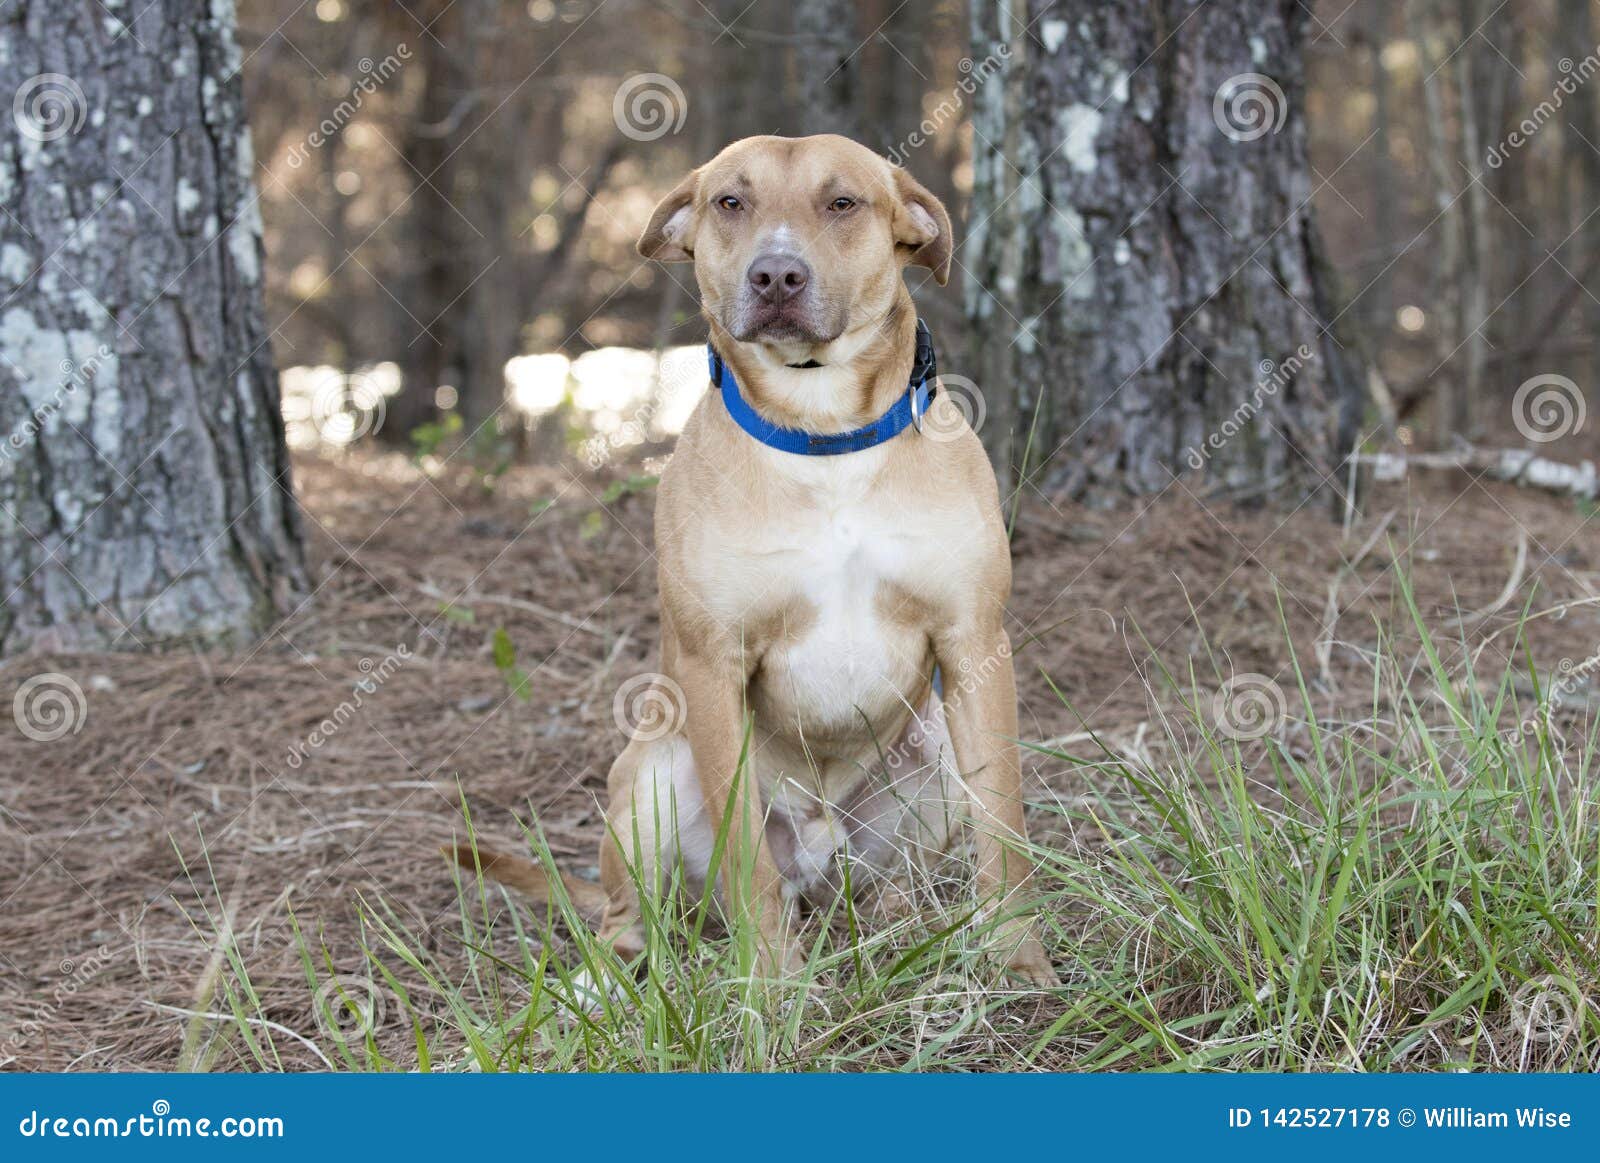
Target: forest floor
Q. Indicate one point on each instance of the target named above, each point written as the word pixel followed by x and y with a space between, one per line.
pixel 192 802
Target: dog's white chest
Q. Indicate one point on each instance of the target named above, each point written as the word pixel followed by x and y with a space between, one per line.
pixel 840 569
pixel 847 658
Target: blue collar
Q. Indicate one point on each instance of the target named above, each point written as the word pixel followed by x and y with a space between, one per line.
pixel 907 410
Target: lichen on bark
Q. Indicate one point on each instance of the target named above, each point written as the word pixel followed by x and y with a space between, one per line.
pixel 145 496
pixel 1136 272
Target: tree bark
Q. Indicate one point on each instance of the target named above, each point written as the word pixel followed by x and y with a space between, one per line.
pixel 827 67
pixel 435 280
pixel 1378 302
pixel 1142 255
pixel 1448 285
pixel 145 495
pixel 1577 33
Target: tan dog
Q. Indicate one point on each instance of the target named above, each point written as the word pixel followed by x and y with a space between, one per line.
pixel 817 594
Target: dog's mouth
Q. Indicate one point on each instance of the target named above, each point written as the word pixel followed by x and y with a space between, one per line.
pixel 783 323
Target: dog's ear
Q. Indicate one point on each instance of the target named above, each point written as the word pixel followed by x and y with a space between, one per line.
pixel 670 235
pixel 922 225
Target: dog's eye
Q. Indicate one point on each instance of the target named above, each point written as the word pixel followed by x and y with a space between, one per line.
pixel 840 205
pixel 730 203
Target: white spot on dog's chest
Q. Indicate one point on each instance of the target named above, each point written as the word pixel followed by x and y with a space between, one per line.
pixel 849 660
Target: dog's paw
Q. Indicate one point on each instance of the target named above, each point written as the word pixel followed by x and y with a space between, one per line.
pixel 1030 964
pixel 1025 958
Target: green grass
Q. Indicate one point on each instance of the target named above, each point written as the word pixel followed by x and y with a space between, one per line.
pixel 1404 889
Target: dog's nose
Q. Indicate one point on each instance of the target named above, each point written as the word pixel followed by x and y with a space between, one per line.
pixel 777 278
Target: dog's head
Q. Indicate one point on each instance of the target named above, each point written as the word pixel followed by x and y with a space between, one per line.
pixel 796 241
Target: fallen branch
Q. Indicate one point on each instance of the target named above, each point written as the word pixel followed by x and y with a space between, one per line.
pixel 1515 466
pixel 534 608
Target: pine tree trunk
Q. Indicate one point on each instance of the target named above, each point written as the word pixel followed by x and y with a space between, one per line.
pixel 1144 278
pixel 1578 29
pixel 145 496
pixel 827 67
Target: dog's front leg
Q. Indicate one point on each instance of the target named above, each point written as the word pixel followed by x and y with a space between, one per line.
pixel 980 705
pixel 715 723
